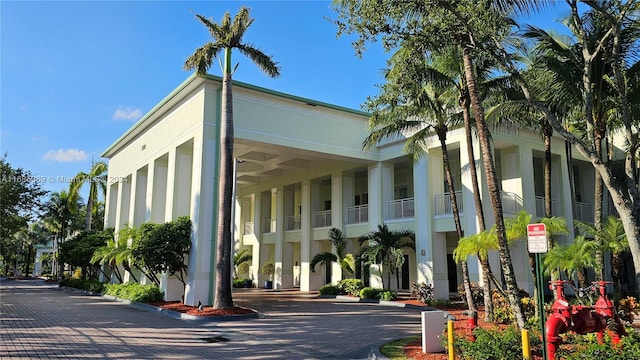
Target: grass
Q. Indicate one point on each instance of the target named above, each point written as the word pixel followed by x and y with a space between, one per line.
pixel 395 349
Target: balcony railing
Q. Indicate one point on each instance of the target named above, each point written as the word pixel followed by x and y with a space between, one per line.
pixel 400 209
pixel 358 214
pixel 248 228
pixel 293 222
pixel 442 203
pixel 540 207
pixel 584 212
pixel 268 226
pixel 511 202
pixel 322 219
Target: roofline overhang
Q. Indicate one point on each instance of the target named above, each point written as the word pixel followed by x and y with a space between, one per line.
pixel 192 82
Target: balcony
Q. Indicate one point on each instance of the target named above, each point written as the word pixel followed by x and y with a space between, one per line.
pixel 442 203
pixel 268 226
pixel 511 202
pixel 293 223
pixel 357 214
pixel 400 209
pixel 583 212
pixel 248 228
pixel 540 207
pixel 322 219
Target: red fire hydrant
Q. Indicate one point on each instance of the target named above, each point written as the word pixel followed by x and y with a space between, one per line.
pixel 472 322
pixel 580 319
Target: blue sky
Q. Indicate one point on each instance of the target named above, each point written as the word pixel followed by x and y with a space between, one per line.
pixel 75 75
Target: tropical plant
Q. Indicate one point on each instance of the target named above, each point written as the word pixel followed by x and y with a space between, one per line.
pixel 97 180
pixel 269 269
pixel 339 243
pixel 424 107
pixel 78 251
pixel 611 238
pixel 240 259
pixel 226 36
pixel 468 24
pixel 385 247
pixel 572 259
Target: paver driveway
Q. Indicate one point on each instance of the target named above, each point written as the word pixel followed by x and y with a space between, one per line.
pixel 41 321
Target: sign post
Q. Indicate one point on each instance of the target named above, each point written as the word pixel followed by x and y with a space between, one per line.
pixel 537 244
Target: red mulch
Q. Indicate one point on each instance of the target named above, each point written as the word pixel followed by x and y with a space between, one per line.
pixel 206 310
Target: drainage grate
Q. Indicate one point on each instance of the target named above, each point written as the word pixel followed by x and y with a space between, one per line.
pixel 216 339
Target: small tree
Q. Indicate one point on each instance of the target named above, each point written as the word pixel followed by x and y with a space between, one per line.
pixel 345 260
pixel 385 248
pixel 163 247
pixel 78 251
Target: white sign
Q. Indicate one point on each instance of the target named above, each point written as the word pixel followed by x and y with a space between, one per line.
pixel 537 238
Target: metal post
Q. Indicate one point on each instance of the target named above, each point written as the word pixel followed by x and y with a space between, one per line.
pixel 540 302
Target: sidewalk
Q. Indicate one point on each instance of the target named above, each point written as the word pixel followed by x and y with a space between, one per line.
pixel 41 321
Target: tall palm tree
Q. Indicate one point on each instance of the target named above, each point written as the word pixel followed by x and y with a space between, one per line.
pixel 424 108
pixel 226 36
pixel 339 243
pixel 385 247
pixel 97 180
pixel 60 219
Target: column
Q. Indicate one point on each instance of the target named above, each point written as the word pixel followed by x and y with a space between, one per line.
pixel 305 241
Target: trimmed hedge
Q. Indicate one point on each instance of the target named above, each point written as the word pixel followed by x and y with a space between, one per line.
pixel 135 292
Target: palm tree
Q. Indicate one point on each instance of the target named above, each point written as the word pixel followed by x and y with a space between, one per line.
pixel 572 259
pixel 226 36
pixel 479 245
pixel 385 247
pixel 60 219
pixel 424 107
pixel 345 260
pixel 107 255
pixel 240 258
pixel 97 178
pixel 612 239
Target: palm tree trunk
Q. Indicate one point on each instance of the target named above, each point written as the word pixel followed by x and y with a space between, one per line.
pixel 494 190
pixel 222 292
pixel 466 283
pixel 598 200
pixel 89 214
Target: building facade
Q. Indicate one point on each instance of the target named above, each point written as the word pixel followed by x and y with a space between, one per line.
pixel 301 170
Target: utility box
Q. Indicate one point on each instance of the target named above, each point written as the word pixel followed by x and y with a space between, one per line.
pixel 432 330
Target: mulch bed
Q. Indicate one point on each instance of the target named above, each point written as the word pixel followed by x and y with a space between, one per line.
pixel 206 310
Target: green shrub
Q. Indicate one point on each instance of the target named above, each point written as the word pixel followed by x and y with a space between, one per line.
pixel 588 348
pixel 87 285
pixel 351 286
pixel 387 295
pixel 494 344
pixel 135 292
pixel 238 283
pixel 370 293
pixel 329 290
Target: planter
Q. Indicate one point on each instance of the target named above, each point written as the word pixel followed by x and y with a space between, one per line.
pixel 268 284
pixel 248 283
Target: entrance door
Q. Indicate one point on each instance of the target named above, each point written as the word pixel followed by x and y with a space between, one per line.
pixel 452 270
pixel 405 273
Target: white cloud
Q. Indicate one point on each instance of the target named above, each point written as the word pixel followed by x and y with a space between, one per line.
pixel 68 155
pixel 127 113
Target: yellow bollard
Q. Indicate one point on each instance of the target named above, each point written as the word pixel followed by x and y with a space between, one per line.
pixel 452 355
pixel 526 351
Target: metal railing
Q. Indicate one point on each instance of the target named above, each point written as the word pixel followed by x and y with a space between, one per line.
pixel 268 226
pixel 540 207
pixel 358 214
pixel 293 222
pixel 442 203
pixel 248 228
pixel 583 212
pixel 400 209
pixel 511 202
pixel 322 219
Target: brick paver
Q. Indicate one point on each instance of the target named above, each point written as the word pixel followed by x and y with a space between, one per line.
pixel 41 321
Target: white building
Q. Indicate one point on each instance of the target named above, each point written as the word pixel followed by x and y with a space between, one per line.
pixel 301 170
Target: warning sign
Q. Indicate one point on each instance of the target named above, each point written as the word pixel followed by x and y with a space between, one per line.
pixel 537 238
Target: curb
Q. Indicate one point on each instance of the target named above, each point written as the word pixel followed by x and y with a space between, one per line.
pixel 169 313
